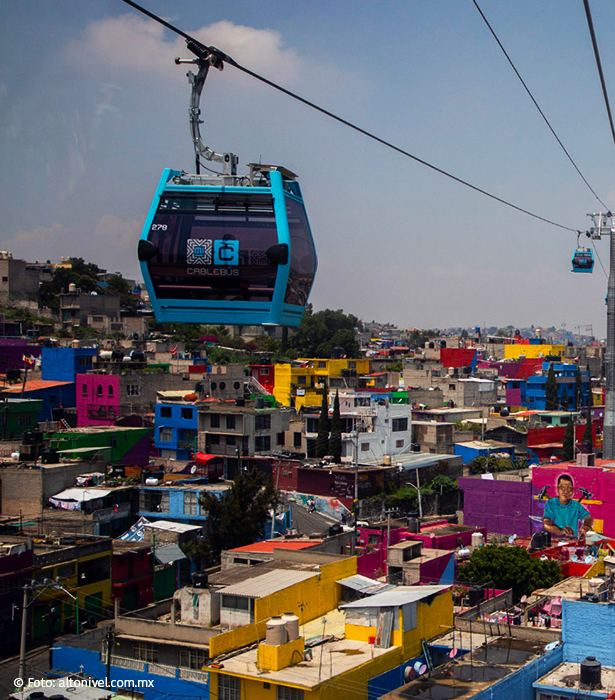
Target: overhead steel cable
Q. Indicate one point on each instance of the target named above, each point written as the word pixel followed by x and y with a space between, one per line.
pixel 590 24
pixel 218 56
pixel 542 114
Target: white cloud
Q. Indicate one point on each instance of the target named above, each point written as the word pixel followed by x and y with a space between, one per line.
pixel 131 42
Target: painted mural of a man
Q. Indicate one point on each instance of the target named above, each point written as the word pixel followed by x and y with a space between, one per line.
pixel 563 513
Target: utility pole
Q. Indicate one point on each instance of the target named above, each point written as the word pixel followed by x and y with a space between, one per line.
pixel 109 639
pixel 24 632
pixel 602 227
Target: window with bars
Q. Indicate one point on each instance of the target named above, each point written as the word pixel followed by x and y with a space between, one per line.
pixel 229 688
pixel 286 693
pixel 193 658
pixel 165 434
pixel 263 423
pixel 144 651
pixel 400 424
pixel 190 503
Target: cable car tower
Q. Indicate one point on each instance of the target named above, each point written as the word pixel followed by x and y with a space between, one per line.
pixel 603 226
pixel 220 248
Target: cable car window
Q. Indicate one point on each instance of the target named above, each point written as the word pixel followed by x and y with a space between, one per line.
pixel 212 247
pixel 303 255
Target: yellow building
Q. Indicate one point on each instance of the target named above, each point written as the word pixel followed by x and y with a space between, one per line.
pixel 513 351
pixel 77 572
pixel 339 653
pixel 301 383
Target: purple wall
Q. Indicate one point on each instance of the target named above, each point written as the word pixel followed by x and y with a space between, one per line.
pixel 503 507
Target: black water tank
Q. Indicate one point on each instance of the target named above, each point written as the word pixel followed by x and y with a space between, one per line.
pixel 591 672
pixel 240 402
pixel 117 355
pixel 336 529
pixel 199 579
pixel 476 595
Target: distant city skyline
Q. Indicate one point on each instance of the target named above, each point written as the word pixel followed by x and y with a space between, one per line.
pixel 94 108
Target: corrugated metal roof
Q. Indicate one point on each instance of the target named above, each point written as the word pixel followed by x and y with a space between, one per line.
pixel 401 595
pixel 172 526
pixel 365 585
pixel 169 553
pixel 81 494
pixel 261 586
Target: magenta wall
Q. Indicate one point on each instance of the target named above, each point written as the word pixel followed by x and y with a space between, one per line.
pixel 98 399
pixel 500 506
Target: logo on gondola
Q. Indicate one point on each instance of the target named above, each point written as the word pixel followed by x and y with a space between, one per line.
pixel 203 251
pixel 199 251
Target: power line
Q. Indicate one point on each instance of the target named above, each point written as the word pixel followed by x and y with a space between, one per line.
pixel 542 114
pixel 219 56
pixel 590 24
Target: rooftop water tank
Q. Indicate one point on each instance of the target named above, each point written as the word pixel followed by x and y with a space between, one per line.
pixel 478 539
pixel 591 672
pixel 276 633
pixel 292 626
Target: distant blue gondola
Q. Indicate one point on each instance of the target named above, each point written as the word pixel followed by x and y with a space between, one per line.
pixel 583 260
pixel 228 254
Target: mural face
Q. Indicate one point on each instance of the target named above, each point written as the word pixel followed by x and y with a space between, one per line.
pixel 564 515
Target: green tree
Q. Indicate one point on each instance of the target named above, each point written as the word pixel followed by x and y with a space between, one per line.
pixel 588 435
pixel 509 567
pixel 578 390
pixel 238 517
pixel 321 332
pixel 568 442
pixel 551 400
pixel 565 399
pixel 322 438
pixel 335 441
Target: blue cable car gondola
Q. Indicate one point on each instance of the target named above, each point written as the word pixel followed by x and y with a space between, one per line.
pixel 226 249
pixel 583 260
pixel 228 254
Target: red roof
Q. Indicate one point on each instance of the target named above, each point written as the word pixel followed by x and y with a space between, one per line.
pixel 34 385
pixel 269 545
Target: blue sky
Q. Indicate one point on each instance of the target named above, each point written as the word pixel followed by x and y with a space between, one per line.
pixel 93 108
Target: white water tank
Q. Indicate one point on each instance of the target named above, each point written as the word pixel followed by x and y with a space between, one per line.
pixel 292 626
pixel 150 481
pixel 478 539
pixel 276 633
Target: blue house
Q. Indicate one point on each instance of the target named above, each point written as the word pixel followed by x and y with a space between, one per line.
pixel 176 430
pixel 53 394
pixel 179 502
pixel 534 389
pixel 62 364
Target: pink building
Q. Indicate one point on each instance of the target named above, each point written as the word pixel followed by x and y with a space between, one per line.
pixel 98 399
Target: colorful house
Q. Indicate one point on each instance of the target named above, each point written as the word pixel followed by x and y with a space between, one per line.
pixel 176 429
pixel 64 364
pixel 53 395
pixel 97 399
pixel 301 383
pixel 118 445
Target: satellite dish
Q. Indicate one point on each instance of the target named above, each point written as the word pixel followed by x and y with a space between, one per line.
pixel 551 646
pixel 523 599
pixel 511 539
pixel 453 652
pixel 574 558
pixel 589 559
pixel 193 469
pixel 422 670
pixel 409 674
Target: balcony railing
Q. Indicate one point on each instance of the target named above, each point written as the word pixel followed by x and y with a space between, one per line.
pixel 189 674
pixel 124 662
